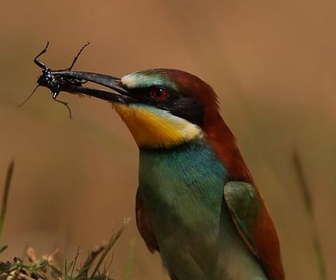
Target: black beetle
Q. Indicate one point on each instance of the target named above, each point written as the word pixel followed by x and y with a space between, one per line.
pixel 55 82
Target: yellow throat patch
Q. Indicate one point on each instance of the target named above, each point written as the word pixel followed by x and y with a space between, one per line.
pixel 152 127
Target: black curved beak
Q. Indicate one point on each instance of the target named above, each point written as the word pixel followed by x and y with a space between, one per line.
pixel 73 82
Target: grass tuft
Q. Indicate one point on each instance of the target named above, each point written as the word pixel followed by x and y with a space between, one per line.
pixel 46 267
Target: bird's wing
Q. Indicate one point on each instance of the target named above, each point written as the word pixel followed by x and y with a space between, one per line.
pixel 255 226
pixel 144 225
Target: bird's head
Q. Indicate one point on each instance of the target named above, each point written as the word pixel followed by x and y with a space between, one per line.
pixel 164 107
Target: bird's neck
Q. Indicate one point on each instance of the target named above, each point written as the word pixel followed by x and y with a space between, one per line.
pixel 221 139
pixel 170 173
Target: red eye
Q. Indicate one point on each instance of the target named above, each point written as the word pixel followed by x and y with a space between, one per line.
pixel 159 94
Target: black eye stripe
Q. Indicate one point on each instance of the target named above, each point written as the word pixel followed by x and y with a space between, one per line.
pixel 178 104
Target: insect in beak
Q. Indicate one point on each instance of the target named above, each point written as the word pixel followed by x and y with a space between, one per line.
pixel 56 83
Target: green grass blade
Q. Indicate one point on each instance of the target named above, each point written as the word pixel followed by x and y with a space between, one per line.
pixel 108 248
pixel 4 204
pixel 304 186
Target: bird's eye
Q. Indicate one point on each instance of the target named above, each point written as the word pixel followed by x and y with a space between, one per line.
pixel 159 94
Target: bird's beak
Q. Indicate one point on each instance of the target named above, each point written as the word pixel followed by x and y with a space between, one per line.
pixel 76 79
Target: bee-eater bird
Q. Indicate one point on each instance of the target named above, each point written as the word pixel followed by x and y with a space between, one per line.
pixel 197 204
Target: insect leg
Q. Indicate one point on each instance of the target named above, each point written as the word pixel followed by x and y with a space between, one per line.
pixel 76 57
pixel 54 96
pixel 66 105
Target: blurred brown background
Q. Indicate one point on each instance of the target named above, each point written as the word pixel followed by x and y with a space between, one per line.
pixel 272 64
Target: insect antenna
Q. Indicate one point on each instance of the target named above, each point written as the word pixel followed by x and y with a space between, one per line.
pixel 29 96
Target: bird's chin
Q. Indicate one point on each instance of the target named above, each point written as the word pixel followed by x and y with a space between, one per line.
pixel 155 128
